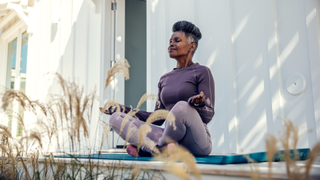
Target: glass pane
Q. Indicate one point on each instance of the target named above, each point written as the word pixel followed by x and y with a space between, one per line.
pixel 10 77
pixel 24 53
pixel 23 74
pixel 11 64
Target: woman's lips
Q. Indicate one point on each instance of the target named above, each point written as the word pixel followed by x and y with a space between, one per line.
pixel 171 49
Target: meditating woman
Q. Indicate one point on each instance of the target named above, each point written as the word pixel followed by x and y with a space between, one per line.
pixel 187 92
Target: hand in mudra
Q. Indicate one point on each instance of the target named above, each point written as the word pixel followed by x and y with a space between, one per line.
pixel 199 100
pixel 107 111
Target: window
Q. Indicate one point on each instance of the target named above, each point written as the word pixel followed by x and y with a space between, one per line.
pixel 16 79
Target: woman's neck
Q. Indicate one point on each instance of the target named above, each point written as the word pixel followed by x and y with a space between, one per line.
pixel 180 66
pixel 184 62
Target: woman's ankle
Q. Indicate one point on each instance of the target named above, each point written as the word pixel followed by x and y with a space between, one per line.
pixel 171 148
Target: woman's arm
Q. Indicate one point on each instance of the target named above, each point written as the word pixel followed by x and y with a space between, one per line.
pixel 206 86
pixel 141 115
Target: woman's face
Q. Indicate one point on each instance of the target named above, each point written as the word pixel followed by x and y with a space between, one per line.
pixel 178 45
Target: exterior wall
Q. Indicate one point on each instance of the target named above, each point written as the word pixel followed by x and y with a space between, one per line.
pixel 251 47
pixel 64 47
pixel 73 38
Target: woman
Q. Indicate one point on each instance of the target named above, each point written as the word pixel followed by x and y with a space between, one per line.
pixel 187 92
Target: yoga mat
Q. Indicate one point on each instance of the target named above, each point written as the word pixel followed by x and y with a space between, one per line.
pixel 303 154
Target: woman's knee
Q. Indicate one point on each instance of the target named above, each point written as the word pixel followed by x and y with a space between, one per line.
pixel 181 108
pixel 115 119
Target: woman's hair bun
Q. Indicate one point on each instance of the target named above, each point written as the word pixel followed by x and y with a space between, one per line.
pixel 187 28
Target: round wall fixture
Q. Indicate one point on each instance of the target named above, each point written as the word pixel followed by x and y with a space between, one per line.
pixel 295 84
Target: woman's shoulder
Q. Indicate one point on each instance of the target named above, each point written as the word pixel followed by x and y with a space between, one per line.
pixel 197 68
pixel 165 75
pixel 201 67
pixel 202 70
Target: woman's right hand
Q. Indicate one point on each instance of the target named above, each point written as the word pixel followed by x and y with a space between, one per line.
pixel 199 100
pixel 107 111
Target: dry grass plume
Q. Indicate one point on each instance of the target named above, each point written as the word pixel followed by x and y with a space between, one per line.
pixel 179 154
pixel 121 66
pixel 146 97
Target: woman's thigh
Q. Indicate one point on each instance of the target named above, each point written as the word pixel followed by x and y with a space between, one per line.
pixel 196 138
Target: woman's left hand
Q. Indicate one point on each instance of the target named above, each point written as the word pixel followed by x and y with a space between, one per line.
pixel 199 100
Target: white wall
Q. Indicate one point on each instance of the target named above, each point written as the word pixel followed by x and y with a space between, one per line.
pixel 251 47
pixel 78 47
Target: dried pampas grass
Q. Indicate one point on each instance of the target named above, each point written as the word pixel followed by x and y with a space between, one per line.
pixel 289 140
pixel 10 95
pixel 177 170
pixel 142 133
pixel 131 133
pixel 22 99
pixel 130 114
pixel 111 103
pixel 254 168
pixel 135 172
pixel 179 153
pixel 121 66
pixel 271 145
pixel 314 154
pixel 5 131
pixel 162 114
pixel 146 97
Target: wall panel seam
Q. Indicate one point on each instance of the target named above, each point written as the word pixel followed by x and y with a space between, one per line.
pixel 149 63
pixel 278 60
pixel 196 23
pixel 318 24
pixel 234 76
pixel 73 34
pixel 313 123
pixel 166 34
pixel 42 46
pixel 88 47
pixel 62 27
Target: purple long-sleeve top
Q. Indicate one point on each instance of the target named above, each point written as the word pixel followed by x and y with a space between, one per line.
pixel 182 85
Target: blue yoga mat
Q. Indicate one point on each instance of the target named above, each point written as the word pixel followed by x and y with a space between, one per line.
pixel 303 154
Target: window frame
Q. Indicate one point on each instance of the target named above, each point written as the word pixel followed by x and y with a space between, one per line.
pixel 16 34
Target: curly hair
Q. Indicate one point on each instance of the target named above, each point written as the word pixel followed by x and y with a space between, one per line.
pixel 191 32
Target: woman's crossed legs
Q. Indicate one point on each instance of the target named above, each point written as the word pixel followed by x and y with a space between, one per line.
pixel 190 131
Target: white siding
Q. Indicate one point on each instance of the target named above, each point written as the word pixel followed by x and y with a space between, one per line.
pixel 77 47
pixel 251 47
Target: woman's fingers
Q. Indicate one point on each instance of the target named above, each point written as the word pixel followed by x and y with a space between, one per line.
pixel 198 99
pixel 107 111
pixel 195 99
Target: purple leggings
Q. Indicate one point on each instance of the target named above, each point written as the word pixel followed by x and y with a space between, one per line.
pixel 191 132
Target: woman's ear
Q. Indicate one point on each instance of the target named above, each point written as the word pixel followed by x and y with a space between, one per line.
pixel 193 47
